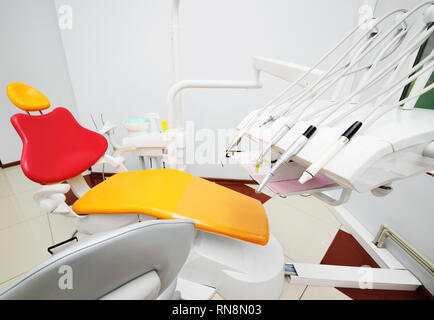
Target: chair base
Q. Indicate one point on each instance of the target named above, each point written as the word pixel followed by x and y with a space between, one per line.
pixel 237 269
pixel 96 223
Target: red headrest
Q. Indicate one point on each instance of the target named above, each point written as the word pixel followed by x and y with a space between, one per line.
pixel 55 146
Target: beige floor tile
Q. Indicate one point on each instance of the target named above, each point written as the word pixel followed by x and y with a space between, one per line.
pixel 291 291
pixel 18 181
pixel 5 284
pixel 313 207
pixel 5 187
pixel 304 238
pixel 27 205
pixel 62 227
pixel 18 208
pixel 23 246
pixel 323 293
pixel 217 297
pixel 10 212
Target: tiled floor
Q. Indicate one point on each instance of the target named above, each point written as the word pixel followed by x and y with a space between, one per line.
pixel 25 230
pixel 305 229
pixel 303 225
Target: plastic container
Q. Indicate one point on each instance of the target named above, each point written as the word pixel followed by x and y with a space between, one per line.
pixel 137 124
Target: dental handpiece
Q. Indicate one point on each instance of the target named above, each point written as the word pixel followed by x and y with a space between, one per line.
pixel 310 172
pixel 236 141
pixel 295 147
pixel 315 167
pixel 275 139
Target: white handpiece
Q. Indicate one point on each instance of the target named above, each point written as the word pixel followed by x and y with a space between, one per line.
pixel 236 141
pixel 310 172
pixel 293 149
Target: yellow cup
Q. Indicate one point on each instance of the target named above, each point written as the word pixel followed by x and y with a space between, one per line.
pixel 164 125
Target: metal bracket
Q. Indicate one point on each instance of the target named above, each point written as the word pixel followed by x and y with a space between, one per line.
pixel 344 197
pixel 385 232
pixel 61 244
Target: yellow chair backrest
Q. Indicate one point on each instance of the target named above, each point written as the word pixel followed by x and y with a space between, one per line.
pixel 27 98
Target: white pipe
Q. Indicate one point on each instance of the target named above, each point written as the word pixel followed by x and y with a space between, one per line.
pixel 175 59
pixel 175 41
pixel 175 122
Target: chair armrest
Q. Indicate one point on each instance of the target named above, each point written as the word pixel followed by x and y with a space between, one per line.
pixel 115 162
pixel 51 198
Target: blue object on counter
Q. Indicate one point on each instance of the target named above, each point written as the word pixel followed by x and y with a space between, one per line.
pixel 136 120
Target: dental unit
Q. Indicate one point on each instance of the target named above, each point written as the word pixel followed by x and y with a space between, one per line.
pixel 313 169
pixel 390 139
pixel 302 140
pixel 178 236
pixel 297 82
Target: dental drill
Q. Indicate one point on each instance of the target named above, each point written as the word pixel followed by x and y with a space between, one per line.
pixel 302 140
pixel 259 112
pixel 400 25
pixel 315 167
pixel 428 14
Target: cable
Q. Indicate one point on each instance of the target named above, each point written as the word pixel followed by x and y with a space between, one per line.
pixel 299 143
pixel 291 121
pixel 315 167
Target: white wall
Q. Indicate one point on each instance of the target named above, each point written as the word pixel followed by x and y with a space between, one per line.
pixel 119 59
pixel 31 52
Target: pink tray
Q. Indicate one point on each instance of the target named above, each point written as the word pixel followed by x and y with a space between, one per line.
pixel 286 187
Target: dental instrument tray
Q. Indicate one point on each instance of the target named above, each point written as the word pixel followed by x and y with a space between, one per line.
pixel 285 182
pixel 391 150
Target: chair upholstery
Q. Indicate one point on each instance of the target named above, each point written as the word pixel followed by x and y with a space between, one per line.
pixel 110 263
pixel 174 194
pixel 27 98
pixel 55 146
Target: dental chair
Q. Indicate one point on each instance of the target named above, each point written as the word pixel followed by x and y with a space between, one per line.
pixel 233 252
pixel 138 262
